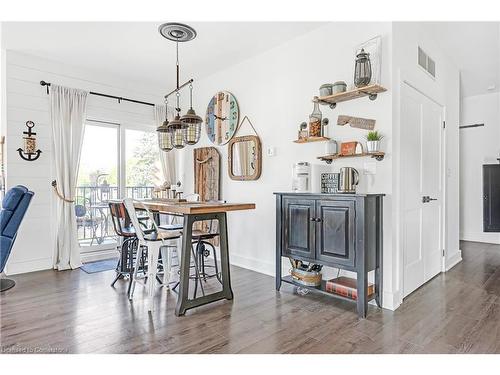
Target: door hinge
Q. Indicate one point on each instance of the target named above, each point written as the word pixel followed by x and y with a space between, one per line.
pixel 444 124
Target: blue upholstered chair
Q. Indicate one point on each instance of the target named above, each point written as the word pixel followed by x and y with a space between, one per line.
pixel 14 206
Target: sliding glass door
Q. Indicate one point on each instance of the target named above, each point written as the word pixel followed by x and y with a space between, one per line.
pixel 117 161
pixel 98 182
pixel 142 163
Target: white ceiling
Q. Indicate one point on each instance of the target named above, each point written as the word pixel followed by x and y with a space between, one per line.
pixel 474 47
pixel 136 51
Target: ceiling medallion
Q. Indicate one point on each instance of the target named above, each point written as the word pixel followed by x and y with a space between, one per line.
pixel 184 129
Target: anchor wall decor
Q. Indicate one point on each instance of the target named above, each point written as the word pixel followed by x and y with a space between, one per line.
pixel 29 152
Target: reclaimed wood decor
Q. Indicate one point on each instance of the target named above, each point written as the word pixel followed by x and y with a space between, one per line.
pixel 207 173
pixel 356 122
pixel 207 181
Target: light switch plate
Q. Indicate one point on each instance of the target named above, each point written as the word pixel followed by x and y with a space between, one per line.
pixel 370 167
pixel 271 151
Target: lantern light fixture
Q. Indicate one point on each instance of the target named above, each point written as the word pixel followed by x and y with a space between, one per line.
pixel 184 129
pixel 192 121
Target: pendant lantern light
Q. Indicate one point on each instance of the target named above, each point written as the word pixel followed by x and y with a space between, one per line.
pixel 164 134
pixel 193 122
pixel 186 129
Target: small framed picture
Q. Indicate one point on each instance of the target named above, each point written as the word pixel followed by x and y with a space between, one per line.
pixel 374 48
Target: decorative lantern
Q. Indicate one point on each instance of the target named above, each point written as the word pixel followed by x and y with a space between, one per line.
pixel 193 122
pixel 164 137
pixel 362 69
pixel 178 131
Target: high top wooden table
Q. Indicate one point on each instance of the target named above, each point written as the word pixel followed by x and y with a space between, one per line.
pixel 193 212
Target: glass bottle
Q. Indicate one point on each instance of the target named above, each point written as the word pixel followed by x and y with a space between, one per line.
pixel 315 128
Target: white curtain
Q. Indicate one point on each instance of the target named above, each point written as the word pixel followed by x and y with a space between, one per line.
pixel 167 159
pixel 67 112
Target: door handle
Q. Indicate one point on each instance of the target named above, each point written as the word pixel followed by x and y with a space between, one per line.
pixel 427 199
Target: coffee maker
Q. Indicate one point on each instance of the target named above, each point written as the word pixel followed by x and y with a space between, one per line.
pixel 348 179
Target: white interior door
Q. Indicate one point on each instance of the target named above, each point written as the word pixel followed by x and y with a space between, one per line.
pixel 422 203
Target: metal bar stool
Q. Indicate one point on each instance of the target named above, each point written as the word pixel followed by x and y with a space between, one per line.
pixel 201 248
pixel 155 242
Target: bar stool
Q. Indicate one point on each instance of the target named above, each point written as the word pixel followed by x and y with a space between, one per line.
pixel 128 247
pixel 155 242
pixel 200 250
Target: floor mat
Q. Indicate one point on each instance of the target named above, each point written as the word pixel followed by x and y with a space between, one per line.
pixel 99 266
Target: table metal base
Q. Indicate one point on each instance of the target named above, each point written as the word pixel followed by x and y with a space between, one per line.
pixel 183 301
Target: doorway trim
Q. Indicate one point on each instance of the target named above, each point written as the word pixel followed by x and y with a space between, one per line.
pixel 403 80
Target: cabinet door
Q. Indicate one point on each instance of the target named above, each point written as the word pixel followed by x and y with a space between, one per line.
pixel 335 228
pixel 491 191
pixel 298 227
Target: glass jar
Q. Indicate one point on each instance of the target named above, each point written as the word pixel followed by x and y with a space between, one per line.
pixel 315 128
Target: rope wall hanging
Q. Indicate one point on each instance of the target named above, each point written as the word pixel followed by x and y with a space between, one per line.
pixel 204 160
pixel 249 122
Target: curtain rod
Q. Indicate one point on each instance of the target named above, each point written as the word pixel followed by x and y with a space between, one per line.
pixel 470 126
pixel 43 83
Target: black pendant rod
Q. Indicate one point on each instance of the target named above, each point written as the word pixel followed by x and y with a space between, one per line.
pixel 119 98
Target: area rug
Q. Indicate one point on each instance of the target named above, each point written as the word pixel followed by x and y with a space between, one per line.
pixel 99 266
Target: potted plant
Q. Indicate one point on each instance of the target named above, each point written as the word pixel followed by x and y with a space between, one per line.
pixel 373 141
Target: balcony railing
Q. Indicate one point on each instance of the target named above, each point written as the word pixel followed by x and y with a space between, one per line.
pixel 92 212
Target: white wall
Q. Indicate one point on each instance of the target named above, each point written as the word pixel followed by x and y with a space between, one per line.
pixel 27 100
pixel 445 90
pixel 478 146
pixel 274 90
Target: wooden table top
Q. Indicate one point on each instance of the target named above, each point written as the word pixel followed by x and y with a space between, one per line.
pixel 187 208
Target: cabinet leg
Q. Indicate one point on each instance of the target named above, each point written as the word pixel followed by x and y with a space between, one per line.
pixel 278 273
pixel 378 287
pixel 362 286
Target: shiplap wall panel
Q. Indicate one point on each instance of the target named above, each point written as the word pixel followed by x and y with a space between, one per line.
pixel 28 100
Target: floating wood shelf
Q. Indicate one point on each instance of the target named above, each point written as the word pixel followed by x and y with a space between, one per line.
pixel 311 139
pixel 371 91
pixel 330 158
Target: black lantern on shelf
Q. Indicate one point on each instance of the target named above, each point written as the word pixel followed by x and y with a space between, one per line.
pixel 362 69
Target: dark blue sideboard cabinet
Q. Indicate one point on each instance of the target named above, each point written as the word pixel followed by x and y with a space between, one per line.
pixel 491 195
pixel 336 230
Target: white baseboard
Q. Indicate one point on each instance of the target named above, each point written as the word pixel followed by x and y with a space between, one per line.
pixel 391 300
pixel 253 264
pixel 453 261
pixel 99 255
pixel 29 266
pixel 483 237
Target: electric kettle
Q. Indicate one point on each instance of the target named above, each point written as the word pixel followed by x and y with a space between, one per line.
pixel 349 178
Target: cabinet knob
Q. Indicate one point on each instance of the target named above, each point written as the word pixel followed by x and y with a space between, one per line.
pixel 318 220
pixel 313 219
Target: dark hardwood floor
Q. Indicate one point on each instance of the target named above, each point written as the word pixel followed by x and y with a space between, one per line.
pixel 75 312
